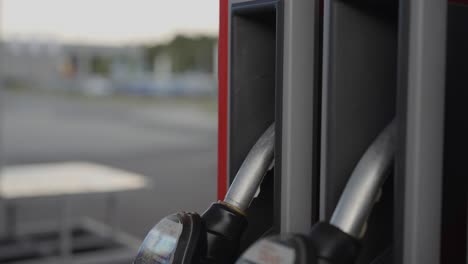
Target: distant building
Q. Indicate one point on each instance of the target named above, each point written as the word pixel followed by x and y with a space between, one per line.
pixel 54 66
pixel 96 70
pixel 24 63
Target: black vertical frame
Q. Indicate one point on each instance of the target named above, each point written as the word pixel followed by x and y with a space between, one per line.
pixel 455 181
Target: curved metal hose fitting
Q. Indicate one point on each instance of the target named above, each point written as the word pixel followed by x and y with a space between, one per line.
pixel 365 183
pixel 250 175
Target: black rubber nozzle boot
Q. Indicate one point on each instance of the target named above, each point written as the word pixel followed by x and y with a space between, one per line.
pixel 333 246
pixel 224 227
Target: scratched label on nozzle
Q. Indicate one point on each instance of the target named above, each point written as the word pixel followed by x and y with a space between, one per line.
pixel 160 244
pixel 268 252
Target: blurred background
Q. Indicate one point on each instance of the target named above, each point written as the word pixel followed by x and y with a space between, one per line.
pixel 108 123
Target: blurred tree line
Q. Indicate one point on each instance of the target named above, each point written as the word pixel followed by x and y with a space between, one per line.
pixel 100 65
pixel 186 53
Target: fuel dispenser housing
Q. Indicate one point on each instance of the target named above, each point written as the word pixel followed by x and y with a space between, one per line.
pixel 343 69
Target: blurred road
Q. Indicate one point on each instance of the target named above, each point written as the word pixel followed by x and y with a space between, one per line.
pixel 174 144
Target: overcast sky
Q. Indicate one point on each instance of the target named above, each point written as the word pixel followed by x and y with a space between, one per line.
pixel 107 21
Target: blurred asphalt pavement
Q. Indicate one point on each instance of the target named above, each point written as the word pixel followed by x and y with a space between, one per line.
pixel 174 144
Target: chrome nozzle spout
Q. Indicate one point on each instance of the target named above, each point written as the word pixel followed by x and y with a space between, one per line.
pixel 363 186
pixel 250 175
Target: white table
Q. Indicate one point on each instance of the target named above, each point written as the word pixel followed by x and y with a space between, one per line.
pixel 64 180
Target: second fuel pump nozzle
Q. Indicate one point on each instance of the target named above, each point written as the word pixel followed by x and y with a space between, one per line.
pixel 336 241
pixel 364 185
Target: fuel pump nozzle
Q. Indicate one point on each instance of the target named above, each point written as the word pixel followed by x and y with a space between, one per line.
pixel 250 175
pixel 213 237
pixel 225 221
